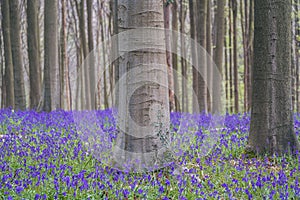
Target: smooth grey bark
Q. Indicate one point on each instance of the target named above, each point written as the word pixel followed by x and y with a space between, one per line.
pixel 209 75
pixel 33 53
pixel 218 55
pixel 63 58
pixel 201 39
pixel 51 56
pixel 92 77
pixel 184 96
pixel 9 71
pixel 194 55
pixel 271 128
pixel 86 96
pixel 167 19
pixel 235 54
pixel 15 36
pixel 136 66
pixel 174 55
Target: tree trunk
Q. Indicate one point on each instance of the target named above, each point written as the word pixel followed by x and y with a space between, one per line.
pixel 201 39
pixel 63 58
pixel 244 26
pixel 194 56
pixel 51 56
pixel 250 53
pixel 15 35
pixel 91 48
pixel 272 128
pixel 167 11
pixel 226 75
pixel 144 102
pixel 231 103
pixel 9 70
pixel 297 32
pixel 85 67
pixel 33 53
pixel 174 55
pixel 184 97
pixel 102 26
pixel 218 55
pixel 235 64
pixel 209 76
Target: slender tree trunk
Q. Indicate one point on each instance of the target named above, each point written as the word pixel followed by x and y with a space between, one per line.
pixel 295 48
pixel 194 56
pixel 15 33
pixel 201 39
pixel 111 68
pixel 293 61
pixel 115 47
pixel 250 53
pixel 231 58
pixel 297 32
pixel 51 56
pixel 218 55
pixel 174 55
pixel 102 26
pixel 244 26
pixel 184 97
pixel 33 53
pixel 210 52
pixel 271 127
pixel 63 58
pixel 235 64
pixel 91 48
pixel 226 75
pixel 167 12
pixel 85 68
pixel 9 70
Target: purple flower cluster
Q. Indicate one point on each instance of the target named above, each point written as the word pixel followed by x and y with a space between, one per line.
pixel 42 157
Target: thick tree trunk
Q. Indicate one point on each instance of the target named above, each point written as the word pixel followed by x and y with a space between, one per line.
pixel 9 71
pixel 33 53
pixel 271 128
pixel 143 102
pixel 15 35
pixel 51 57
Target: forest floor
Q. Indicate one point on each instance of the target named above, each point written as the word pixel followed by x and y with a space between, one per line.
pixel 43 157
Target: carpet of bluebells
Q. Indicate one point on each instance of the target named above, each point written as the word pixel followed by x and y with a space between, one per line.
pixel 41 157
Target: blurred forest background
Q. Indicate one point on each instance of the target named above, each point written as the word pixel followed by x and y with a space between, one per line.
pixel 44 43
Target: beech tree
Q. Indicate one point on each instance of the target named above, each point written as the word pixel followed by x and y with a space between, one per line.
pixel 51 56
pixel 140 105
pixel 271 128
pixel 9 71
pixel 33 53
pixel 17 57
